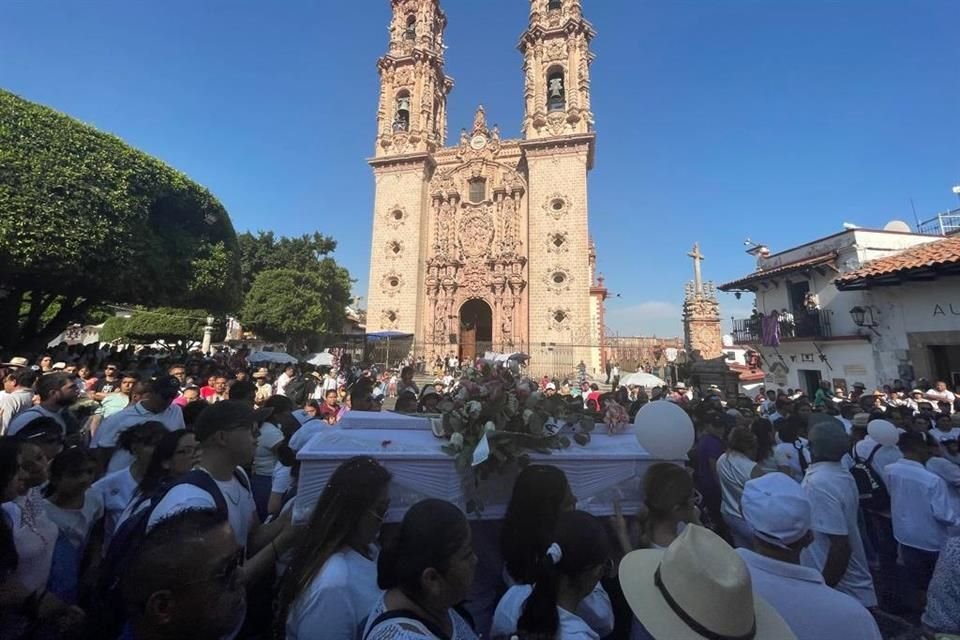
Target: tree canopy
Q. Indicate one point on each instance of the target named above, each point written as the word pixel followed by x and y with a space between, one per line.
pixel 86 219
pixel 262 251
pixel 297 305
pixel 166 324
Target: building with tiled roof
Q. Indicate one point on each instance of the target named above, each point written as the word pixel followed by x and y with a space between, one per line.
pixel 859 306
pixel 923 263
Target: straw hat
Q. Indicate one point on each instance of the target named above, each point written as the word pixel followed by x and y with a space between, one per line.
pixel 697 588
pixel 260 373
pixel 17 362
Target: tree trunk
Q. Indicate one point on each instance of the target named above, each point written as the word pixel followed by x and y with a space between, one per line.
pixel 10 320
pixel 70 309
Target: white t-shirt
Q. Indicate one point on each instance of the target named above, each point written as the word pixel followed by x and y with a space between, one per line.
pixel 241 509
pixel 76 524
pixel 953 434
pixel 813 610
pixel 34 536
pixel 27 416
pixel 110 429
pixel 405 629
pixel 337 600
pixel 264 458
pixel 734 470
pixel 835 501
pixel 924 510
pixel 282 479
pixel 115 491
pixel 12 405
pixel 510 608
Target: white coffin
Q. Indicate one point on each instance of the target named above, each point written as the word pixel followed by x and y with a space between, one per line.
pixel 609 468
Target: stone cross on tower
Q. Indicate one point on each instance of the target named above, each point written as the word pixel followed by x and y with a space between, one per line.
pixel 697 259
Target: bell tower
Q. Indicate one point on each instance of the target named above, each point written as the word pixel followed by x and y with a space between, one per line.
pixel 412 116
pixel 558 148
pixel 411 127
pixel 556 63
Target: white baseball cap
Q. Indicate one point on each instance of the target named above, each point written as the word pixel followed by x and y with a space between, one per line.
pixel 776 508
pixel 550 385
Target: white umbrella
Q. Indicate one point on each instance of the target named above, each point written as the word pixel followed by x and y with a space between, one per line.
pixel 641 379
pixel 323 359
pixel 275 357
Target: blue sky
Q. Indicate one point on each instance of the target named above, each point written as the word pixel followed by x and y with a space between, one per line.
pixel 717 119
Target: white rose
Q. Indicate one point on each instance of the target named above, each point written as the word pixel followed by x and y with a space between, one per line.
pixel 456 440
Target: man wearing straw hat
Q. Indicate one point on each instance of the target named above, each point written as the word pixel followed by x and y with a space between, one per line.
pixel 696 588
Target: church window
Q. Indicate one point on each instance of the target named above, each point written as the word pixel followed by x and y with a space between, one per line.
pixel 401 121
pixel 397 214
pixel 394 282
pixel 411 31
pixel 559 277
pixel 478 190
pixel 395 246
pixel 558 240
pixel 556 90
pixel 553 5
pixel 556 204
pixel 559 316
pixel 391 316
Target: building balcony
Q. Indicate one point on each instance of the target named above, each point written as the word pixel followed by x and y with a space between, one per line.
pixel 804 325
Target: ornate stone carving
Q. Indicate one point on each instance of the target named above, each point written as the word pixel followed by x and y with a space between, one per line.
pixel 557 205
pixel 393 249
pixel 390 319
pixel 557 279
pixel 557 242
pixel 559 318
pixel 391 283
pixel 476 233
pixel 396 216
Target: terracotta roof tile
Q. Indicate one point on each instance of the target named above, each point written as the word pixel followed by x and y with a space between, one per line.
pixel 940 253
pixel 764 274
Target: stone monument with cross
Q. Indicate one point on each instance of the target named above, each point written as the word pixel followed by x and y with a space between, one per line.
pixel 701 314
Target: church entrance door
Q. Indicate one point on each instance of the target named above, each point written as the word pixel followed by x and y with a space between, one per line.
pixel 476 329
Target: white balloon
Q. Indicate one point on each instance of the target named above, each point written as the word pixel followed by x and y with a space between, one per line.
pixel 664 430
pixel 884 432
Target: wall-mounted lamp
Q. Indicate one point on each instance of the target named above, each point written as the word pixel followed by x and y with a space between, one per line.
pixel 863 317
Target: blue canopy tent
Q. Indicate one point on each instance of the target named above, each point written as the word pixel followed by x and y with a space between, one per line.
pixel 388 335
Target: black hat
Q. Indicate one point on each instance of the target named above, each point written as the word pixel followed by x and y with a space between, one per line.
pixel 42 428
pixel 226 415
pixel 166 386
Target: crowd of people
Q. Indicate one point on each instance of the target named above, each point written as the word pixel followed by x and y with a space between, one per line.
pixel 151 497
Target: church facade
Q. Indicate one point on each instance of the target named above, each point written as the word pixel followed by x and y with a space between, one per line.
pixel 483 244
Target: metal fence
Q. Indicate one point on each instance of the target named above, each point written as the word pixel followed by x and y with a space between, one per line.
pixel 803 325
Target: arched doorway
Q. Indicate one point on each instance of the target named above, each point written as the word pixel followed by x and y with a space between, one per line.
pixel 476 329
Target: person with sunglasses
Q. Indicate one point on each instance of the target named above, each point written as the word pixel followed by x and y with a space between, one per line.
pixel 227 432
pixel 185 580
pixel 332 581
pixel 117 489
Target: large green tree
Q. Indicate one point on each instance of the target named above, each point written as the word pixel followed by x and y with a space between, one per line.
pixel 85 219
pixel 297 305
pixel 263 250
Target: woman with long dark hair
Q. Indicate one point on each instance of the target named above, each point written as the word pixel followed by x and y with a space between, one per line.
pixel 426 571
pixel 117 489
pixel 570 568
pixel 175 455
pixel 332 581
pixel 541 494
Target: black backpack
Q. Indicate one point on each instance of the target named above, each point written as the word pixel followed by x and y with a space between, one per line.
pixel 299 389
pixel 870 486
pixel 108 608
